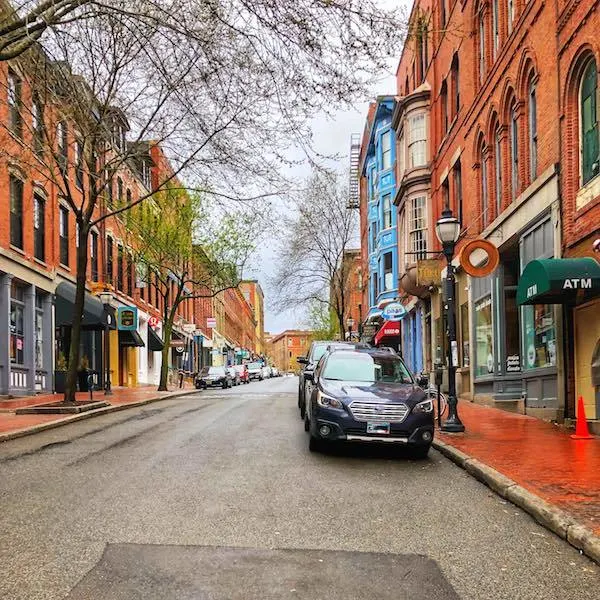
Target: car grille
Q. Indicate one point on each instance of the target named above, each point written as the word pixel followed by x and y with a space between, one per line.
pixel 374 412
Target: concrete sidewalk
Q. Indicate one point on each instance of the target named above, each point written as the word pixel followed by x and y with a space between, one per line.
pixel 13 425
pixel 535 465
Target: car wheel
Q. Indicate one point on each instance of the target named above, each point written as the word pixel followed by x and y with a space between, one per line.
pixel 420 452
pixel 315 444
pixel 306 421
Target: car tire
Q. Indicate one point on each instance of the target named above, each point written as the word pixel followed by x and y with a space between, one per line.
pixel 315 444
pixel 420 452
pixel 306 421
pixel 225 386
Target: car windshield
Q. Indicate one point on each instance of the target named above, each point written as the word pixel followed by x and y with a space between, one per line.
pixel 318 351
pixel 213 370
pixel 358 366
pixel 254 365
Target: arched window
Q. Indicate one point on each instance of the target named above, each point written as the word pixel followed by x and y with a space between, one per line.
pixel 588 120
pixel 514 150
pixel 495 28
pixel 510 15
pixel 454 82
pixel 498 166
pixel 483 181
pixel 533 134
pixel 444 102
pixel 481 43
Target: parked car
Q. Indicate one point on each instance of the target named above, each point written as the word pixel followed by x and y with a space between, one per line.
pixel 242 371
pixel 235 376
pixel 266 370
pixel 367 396
pixel 255 371
pixel 213 377
pixel 275 372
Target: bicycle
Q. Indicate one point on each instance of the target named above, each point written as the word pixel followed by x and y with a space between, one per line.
pixel 432 393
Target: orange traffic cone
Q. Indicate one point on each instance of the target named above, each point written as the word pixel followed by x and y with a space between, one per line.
pixel 581 428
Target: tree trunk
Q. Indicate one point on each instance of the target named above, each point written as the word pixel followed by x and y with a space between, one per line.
pixel 73 364
pixel 164 367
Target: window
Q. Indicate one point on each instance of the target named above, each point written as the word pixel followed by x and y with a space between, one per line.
pixel 484 192
pixel 109 192
pixel 14 104
pixel 16 212
pixel 386 150
pixel 464 335
pixel 37 126
pixel 375 288
pixel 63 233
pixel 373 236
pixel 79 164
pixel 481 46
pixel 387 211
pixel 63 151
pixel 128 197
pixel 514 153
pixel 120 267
pixel 540 336
pixel 388 275
pixel 495 27
pixel 400 156
pixel 446 193
pixel 156 290
pixel 454 82
pixel 484 337
pixel 418 228
pixel 589 123
pixel 39 332
pixel 443 13
pixel 39 226
pixel 458 197
pixel 510 10
pixel 17 330
pixel 119 191
pixel 498 158
pixel 94 255
pixel 417 142
pixel 532 132
pixel 146 173
pixel 129 275
pixel 109 260
pixel 444 101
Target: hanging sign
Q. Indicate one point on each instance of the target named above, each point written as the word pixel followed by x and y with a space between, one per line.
pixel 490 260
pixel 394 312
pixel 211 322
pixel 153 322
pixel 127 318
pixel 428 272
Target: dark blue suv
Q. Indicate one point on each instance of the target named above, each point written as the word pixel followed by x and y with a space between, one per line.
pixel 367 396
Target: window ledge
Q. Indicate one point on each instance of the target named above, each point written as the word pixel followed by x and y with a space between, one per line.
pixel 587 194
pixel 63 266
pixel 39 261
pixel 17 249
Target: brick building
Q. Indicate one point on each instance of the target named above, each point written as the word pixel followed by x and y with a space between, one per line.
pixel 287 346
pixel 255 298
pixel 495 118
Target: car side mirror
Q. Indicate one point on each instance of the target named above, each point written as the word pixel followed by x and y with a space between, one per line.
pixel 423 381
pixel 309 376
pixel 302 360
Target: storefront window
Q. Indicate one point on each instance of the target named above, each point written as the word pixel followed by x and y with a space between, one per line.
pixel 540 336
pixel 39 329
pixel 511 331
pixel 17 338
pixel 464 335
pixel 484 337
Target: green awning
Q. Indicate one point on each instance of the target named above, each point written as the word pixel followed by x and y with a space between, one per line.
pixel 559 281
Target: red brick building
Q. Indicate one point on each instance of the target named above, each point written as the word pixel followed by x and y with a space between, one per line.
pixel 287 346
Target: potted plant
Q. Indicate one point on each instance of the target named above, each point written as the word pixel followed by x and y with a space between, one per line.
pixel 83 374
pixel 60 374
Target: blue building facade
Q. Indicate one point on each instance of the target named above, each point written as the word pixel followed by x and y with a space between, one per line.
pixel 379 170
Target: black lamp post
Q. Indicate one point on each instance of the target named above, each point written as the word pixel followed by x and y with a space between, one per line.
pixel 350 323
pixel 106 298
pixel 448 229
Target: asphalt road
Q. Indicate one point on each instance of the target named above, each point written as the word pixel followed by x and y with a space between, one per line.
pixel 216 496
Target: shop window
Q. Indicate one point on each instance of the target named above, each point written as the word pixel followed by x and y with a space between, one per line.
pixel 418 228
pixel 589 123
pixel 94 255
pixel 17 333
pixel 417 141
pixel 533 133
pixel 386 150
pixel 39 227
pixel 464 335
pixel 109 260
pixel 387 211
pixel 37 125
pixel 15 102
pixel 39 332
pixel 484 337
pixel 388 275
pixel 539 336
pixel 63 233
pixel 16 212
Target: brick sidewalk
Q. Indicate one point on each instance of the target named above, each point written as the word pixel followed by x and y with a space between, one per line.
pixel 10 422
pixel 539 456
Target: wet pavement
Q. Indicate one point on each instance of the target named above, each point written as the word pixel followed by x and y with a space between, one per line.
pixel 537 455
pixel 215 495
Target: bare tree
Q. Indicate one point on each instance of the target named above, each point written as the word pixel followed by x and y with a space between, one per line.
pixel 311 265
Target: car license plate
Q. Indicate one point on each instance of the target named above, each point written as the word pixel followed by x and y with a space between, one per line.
pixel 378 428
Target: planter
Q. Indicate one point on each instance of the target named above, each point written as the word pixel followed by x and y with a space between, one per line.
pixel 82 378
pixel 60 381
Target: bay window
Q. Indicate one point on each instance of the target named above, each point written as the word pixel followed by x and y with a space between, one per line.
pixel 418 228
pixel 386 150
pixel 417 141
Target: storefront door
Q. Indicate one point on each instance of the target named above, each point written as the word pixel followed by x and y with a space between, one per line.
pixel 587 336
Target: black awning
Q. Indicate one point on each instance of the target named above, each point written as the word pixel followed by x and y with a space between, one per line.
pixel 155 343
pixel 94 314
pixel 130 338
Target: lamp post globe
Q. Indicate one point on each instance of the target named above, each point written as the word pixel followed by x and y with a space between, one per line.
pixel 447 230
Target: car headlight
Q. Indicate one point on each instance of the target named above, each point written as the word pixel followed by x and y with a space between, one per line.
pixel 426 406
pixel 328 401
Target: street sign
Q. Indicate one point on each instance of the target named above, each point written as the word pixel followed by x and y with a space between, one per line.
pixel 127 318
pixel 211 322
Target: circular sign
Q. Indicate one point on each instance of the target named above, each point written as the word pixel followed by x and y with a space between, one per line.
pixel 179 349
pixel 488 266
pixel 394 312
pixel 153 321
pixel 108 319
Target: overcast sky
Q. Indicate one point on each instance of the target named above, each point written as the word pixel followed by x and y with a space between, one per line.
pixel 331 136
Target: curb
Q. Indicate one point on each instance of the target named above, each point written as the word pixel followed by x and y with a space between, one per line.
pixel 548 515
pixel 11 435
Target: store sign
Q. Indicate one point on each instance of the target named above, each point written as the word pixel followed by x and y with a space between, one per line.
pixel 577 284
pixel 513 364
pixel 368 331
pixel 211 322
pixel 394 312
pixel 428 272
pixel 177 343
pixel 153 322
pixel 127 318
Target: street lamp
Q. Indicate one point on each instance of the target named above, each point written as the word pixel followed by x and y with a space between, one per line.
pixel 350 324
pixel 448 229
pixel 106 298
